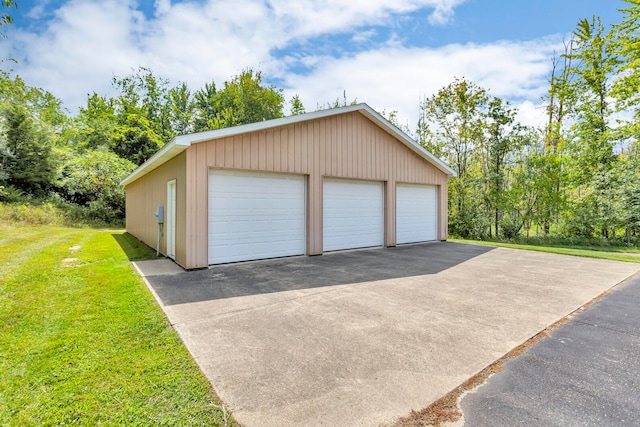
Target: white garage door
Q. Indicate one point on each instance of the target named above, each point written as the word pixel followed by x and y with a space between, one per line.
pixel 416 213
pixel 353 214
pixel 255 216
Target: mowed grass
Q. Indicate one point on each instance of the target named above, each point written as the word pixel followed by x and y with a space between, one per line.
pixel 614 253
pixel 82 340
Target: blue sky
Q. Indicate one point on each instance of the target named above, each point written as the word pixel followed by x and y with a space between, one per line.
pixel 388 54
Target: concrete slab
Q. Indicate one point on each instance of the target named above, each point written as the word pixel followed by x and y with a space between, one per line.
pixel 157 267
pixel 362 338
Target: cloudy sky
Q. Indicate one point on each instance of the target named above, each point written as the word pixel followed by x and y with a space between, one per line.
pixel 388 54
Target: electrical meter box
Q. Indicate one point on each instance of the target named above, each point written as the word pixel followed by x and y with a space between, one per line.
pixel 160 214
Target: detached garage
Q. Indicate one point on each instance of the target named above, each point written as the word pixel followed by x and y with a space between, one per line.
pixel 330 180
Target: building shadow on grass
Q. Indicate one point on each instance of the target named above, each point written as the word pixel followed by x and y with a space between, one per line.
pixel 331 269
pixel 134 248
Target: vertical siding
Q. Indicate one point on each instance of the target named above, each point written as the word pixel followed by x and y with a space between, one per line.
pixel 347 146
pixel 149 192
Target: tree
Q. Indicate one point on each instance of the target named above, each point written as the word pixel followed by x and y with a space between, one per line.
pixel 32 165
pixel 95 125
pixel 561 98
pixel 204 107
pixel 592 145
pixel 625 42
pixel 452 126
pixel 92 179
pixel 392 117
pixel 246 99
pixel 181 108
pixel 145 95
pixel 499 145
pixel 135 140
pixel 337 103
pixel 42 105
pixel 5 18
pixel 296 106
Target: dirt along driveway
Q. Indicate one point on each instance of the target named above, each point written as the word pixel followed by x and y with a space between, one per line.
pixel 361 338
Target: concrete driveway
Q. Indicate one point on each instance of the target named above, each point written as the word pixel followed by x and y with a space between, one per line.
pixel 361 338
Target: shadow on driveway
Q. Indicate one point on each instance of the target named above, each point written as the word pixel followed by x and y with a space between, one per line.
pixel 286 274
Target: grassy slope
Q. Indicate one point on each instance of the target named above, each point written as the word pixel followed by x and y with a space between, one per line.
pixel 82 340
pixel 601 252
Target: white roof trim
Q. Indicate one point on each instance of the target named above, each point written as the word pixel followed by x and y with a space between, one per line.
pixel 182 142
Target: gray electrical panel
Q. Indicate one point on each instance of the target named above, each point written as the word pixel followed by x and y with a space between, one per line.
pixel 160 214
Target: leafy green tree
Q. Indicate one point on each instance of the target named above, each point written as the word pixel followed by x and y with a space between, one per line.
pixel 92 179
pixel 625 42
pixel 549 160
pixel 593 140
pixel 205 107
pixel 499 145
pixel 593 70
pixel 296 106
pixel 531 181
pixel 145 95
pixel 181 109
pixel 628 192
pixel 392 117
pixel 5 18
pixel 246 99
pixel 33 164
pixel 42 105
pixel 135 140
pixel 337 103
pixel 95 125
pixel 452 126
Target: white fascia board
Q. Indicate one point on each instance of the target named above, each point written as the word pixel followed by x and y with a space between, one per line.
pixel 166 153
pixel 182 142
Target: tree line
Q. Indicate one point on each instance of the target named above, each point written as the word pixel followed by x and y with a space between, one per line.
pixel 578 175
pixel 78 161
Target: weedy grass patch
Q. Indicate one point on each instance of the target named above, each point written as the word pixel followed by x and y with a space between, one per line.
pixel 83 341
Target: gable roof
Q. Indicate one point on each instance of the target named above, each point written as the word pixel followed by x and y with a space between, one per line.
pixel 182 142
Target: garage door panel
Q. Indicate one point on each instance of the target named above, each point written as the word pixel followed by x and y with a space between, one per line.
pixel 255 216
pixel 416 213
pixel 353 214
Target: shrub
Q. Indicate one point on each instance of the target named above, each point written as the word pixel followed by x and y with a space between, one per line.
pixel 10 194
pixel 46 214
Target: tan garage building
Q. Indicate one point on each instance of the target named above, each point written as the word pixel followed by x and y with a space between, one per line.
pixel 334 179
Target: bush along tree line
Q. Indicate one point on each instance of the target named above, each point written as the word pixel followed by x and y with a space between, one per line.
pixel 579 175
pixel 77 163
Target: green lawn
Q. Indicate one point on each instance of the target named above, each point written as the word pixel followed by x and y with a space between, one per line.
pixel 82 340
pixel 615 253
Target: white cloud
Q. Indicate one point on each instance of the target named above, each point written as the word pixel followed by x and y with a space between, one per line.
pixel 396 78
pixel 80 50
pixel 363 36
pixel 443 12
pixel 89 41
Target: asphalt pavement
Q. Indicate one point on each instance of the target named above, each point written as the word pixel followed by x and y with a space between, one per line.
pixel 586 373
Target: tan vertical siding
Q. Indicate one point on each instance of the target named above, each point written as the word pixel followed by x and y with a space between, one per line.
pixel 149 192
pixel 347 145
